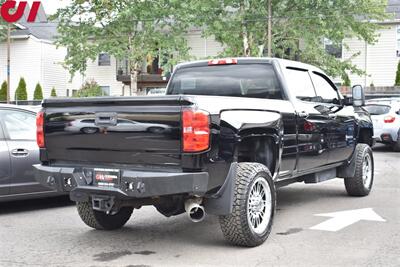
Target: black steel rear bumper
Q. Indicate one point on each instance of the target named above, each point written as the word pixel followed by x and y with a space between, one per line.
pixel 132 184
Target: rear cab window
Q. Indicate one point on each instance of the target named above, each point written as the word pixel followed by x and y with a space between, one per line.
pixel 300 84
pixel 238 80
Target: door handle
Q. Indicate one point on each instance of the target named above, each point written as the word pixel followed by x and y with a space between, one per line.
pixel 20 152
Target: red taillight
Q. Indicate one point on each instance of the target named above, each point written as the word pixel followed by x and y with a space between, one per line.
pixel 225 61
pixel 389 119
pixel 39 129
pixel 195 130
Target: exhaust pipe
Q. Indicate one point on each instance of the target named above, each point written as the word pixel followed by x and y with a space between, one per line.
pixel 194 210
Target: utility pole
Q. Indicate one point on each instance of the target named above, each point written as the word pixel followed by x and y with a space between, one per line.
pixel 8 61
pixel 269 28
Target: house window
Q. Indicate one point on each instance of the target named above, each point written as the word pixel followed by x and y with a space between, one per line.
pixel 105 90
pixel 333 49
pixel 104 59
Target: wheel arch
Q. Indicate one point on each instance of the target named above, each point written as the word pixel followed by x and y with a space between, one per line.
pixel 259 135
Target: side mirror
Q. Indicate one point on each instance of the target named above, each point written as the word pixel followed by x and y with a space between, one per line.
pixel 358 96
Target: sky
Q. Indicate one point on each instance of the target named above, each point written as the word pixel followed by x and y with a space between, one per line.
pixel 51 6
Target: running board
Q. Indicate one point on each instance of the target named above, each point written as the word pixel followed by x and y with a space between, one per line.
pixel 318 177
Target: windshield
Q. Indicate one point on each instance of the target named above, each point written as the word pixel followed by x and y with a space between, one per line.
pixel 377 109
pixel 247 80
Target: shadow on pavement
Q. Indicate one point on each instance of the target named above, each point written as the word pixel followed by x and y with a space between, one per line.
pixel 34 204
pixel 382 148
pixel 293 195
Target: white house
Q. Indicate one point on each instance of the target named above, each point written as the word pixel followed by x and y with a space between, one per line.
pixel 35 58
pixel 378 61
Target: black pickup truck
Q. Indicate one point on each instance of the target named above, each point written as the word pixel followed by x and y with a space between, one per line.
pixel 226 135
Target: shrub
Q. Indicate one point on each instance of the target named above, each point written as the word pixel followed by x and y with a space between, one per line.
pixel 21 93
pixel 53 92
pixel 397 82
pixel 89 89
pixel 38 94
pixel 3 91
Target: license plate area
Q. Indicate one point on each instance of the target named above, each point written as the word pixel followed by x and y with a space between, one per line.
pixel 106 177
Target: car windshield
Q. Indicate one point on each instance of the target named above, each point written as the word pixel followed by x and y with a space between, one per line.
pixel 245 80
pixel 377 109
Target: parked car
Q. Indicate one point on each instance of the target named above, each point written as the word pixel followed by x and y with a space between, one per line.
pixel 18 152
pixel 385 114
pixel 89 126
pixel 239 129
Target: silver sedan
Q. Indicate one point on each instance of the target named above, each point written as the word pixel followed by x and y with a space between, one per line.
pixel 18 151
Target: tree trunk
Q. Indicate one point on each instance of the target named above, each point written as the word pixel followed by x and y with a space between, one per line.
pixel 134 82
pixel 245 32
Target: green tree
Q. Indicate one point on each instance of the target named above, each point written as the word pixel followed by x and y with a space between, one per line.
pixel 3 26
pixel 298 27
pixel 89 89
pixel 397 82
pixel 21 93
pixel 3 91
pixel 346 80
pixel 38 93
pixel 125 30
pixel 53 92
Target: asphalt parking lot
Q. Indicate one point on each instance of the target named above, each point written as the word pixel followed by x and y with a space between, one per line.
pixel 50 233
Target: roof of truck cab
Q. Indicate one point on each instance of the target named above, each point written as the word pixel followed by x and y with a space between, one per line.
pixel 282 62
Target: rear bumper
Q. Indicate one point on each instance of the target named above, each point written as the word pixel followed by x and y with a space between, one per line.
pixel 132 184
pixel 386 135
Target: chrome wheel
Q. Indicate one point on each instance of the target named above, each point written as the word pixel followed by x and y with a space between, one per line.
pixel 259 206
pixel 367 170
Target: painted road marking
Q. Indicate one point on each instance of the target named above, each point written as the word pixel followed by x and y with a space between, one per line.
pixel 342 219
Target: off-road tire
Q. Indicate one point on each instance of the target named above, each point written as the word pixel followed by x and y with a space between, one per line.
pixel 100 220
pixel 396 145
pixel 355 186
pixel 235 227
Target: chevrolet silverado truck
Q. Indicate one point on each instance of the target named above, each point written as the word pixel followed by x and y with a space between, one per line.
pixel 227 133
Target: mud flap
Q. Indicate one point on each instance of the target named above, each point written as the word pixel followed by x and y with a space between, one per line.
pixel 221 202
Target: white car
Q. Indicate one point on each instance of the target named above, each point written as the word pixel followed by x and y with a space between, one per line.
pixel 88 126
pixel 385 114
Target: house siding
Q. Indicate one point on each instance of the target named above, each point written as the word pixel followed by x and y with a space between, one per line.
pixel 201 47
pixel 53 73
pixel 26 62
pixel 103 75
pixel 379 60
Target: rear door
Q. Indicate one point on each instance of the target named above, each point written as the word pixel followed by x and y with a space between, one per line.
pixel 20 131
pixel 5 165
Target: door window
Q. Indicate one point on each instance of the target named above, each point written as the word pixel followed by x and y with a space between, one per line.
pixel 19 125
pixel 325 91
pixel 300 84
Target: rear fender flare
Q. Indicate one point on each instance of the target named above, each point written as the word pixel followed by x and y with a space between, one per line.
pixel 239 125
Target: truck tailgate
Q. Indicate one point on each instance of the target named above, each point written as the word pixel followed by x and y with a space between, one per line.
pixel 139 130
